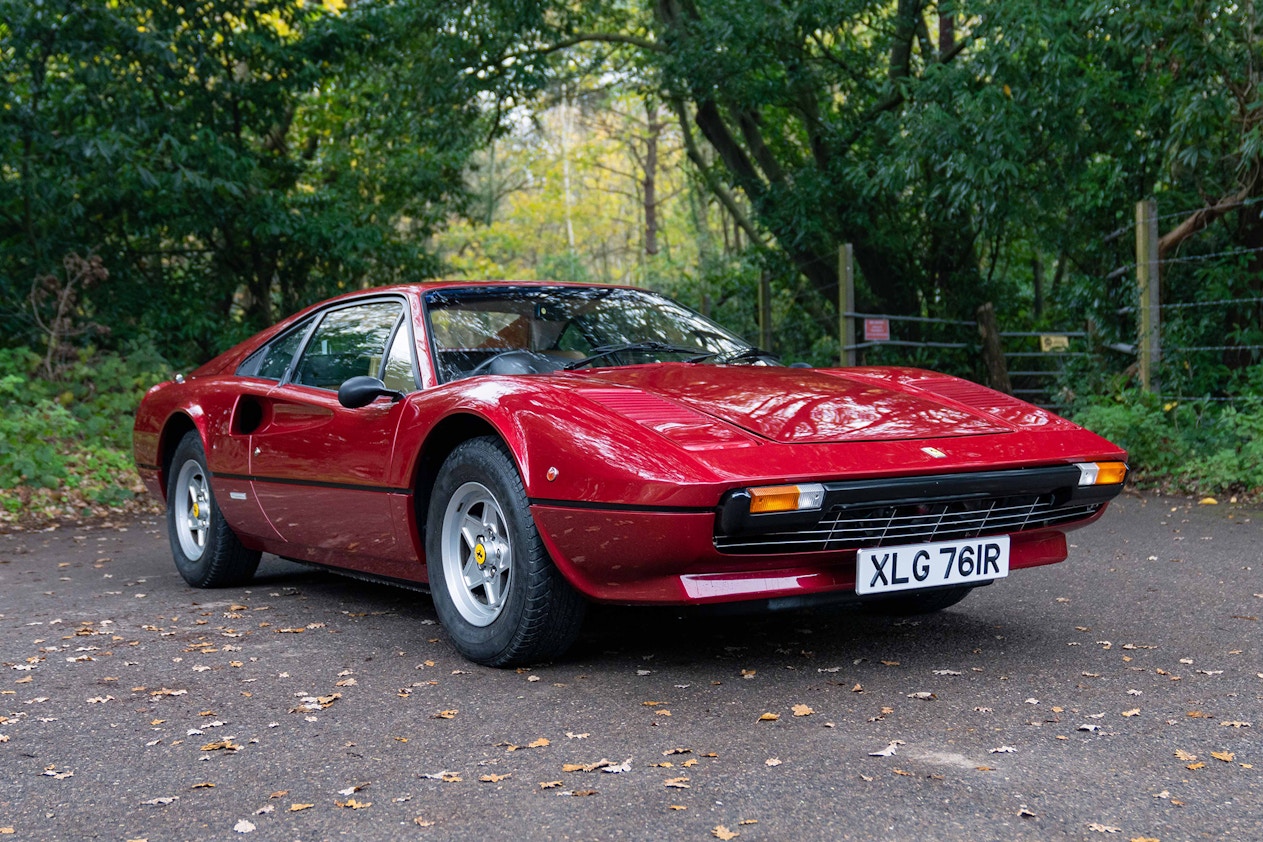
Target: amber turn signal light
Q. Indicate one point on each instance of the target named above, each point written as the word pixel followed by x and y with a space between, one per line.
pixel 786 498
pixel 1101 473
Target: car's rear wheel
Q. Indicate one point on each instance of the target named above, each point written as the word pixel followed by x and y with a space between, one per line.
pixel 207 552
pixel 910 604
pixel 496 590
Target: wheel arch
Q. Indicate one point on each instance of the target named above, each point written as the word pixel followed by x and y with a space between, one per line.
pixel 445 437
pixel 175 429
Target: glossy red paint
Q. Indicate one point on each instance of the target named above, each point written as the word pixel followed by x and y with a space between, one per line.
pixel 624 466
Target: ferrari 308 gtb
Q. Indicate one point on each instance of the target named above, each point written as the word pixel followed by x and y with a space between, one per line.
pixel 525 450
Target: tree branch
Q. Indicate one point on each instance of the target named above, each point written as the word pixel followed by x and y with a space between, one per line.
pixel 598 38
pixel 721 193
pixel 1199 220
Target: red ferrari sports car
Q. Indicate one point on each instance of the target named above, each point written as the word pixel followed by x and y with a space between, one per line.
pixel 528 449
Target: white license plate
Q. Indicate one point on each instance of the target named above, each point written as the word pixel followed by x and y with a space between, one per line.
pixel 906 568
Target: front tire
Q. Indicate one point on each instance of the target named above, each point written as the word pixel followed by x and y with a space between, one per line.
pixel 495 588
pixel 207 552
pixel 911 604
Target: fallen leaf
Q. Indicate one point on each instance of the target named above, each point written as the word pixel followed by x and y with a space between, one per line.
pixel 772 761
pixel 888 751
pixel 902 773
pixel 802 710
pixel 1132 712
pixel 672 751
pixel 495 779
pixel 1208 501
pixel 227 745
pixel 549 784
pixel 1004 750
pixel 1193 767
pixel 580 793
pixel 352 804
pixel 243 826
pixel 1225 756
pixel 676 807
pixel 678 783
pixel 163 801
pixel 443 714
pixel 203 785
pixel 1104 828
pixel 721 832
pixel 1235 724
pixel 1025 813
pixel 540 743
pixel 421 821
pixel 923 696
pixel 769 717
pixel 613 769
pixel 1181 754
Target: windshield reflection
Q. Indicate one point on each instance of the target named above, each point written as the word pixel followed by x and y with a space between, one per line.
pixel 523 330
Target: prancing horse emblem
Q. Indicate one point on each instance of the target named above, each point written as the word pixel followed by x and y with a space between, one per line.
pixel 935 452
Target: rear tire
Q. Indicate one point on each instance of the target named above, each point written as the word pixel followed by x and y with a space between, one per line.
pixel 911 604
pixel 495 588
pixel 207 552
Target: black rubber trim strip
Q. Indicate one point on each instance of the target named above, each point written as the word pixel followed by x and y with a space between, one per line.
pixel 914 489
pixel 311 483
pixel 621 507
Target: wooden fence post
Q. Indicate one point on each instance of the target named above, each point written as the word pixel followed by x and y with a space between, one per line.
pixel 992 353
pixel 846 303
pixel 1148 282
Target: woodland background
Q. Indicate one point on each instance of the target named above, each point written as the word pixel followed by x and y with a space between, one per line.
pixel 176 174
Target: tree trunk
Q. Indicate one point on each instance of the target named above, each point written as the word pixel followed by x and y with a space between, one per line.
pixel 650 181
pixel 992 353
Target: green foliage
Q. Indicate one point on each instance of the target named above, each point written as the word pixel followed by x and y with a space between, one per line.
pixel 228 162
pixel 73 434
pixel 1193 446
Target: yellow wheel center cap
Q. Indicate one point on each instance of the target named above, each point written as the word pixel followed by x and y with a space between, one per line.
pixel 197 510
pixel 480 554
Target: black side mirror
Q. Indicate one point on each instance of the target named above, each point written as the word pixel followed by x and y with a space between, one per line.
pixel 363 390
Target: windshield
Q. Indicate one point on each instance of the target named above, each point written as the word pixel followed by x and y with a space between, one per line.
pixel 534 329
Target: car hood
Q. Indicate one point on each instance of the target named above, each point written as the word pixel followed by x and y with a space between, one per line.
pixel 794 405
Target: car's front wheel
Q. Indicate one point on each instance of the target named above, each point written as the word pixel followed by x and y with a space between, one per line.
pixel 495 588
pixel 207 552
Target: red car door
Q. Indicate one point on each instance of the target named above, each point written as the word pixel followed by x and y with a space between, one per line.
pixel 320 470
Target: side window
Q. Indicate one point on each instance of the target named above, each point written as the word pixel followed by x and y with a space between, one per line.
pixel 347 342
pixel 272 360
pixel 397 373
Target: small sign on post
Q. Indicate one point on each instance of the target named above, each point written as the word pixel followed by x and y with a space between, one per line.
pixel 877 330
pixel 1049 342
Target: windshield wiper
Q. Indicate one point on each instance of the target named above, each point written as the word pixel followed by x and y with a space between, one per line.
pixel 664 347
pixel 751 353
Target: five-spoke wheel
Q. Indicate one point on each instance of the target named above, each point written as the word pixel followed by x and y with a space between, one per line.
pixel 207 552
pixel 495 588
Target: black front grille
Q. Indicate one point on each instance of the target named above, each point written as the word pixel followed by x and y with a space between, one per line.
pixel 855 526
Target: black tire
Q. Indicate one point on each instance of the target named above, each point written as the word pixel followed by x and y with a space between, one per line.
pixel 207 552
pixel 911 604
pixel 495 588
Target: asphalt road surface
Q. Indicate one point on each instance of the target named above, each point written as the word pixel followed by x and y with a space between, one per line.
pixel 1115 696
